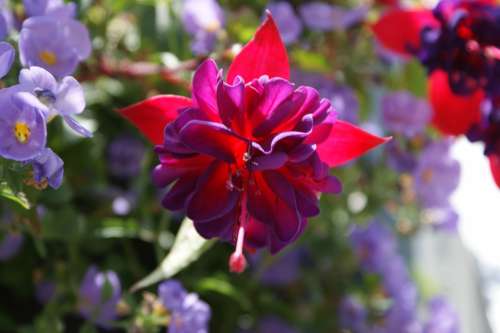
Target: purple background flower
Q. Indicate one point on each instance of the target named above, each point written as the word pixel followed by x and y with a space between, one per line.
pixel 405 114
pixel 289 24
pixel 321 16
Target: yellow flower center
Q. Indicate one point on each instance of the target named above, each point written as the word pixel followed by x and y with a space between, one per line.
pixel 213 26
pixel 22 132
pixel 48 57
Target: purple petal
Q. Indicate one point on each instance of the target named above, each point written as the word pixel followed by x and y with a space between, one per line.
pixel 70 98
pixel 77 127
pixel 7 56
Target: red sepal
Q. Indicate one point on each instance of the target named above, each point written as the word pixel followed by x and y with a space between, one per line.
pixel 495 168
pixel 399 30
pixel 453 114
pixel 346 142
pixel 265 54
pixel 153 114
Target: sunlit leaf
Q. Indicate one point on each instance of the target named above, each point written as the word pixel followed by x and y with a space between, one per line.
pixel 188 247
pixel 17 197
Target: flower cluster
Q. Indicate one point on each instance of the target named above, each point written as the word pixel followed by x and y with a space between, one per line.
pixel 249 155
pixel 376 249
pixel 188 313
pixel 51 45
pixel 434 173
pixel 458 44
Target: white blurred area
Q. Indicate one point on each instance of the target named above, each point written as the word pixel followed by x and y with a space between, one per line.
pixel 477 202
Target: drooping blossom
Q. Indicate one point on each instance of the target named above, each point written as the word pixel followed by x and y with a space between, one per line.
pixel 56 8
pixel 405 114
pixel 248 156
pixel 98 296
pixel 125 157
pixel 64 98
pixel 23 130
pixel 7 56
pixel 202 19
pixel 288 22
pixel 49 168
pixel 320 16
pixel 54 43
pixel 458 43
pixel 442 317
pixel 437 175
pixel 188 313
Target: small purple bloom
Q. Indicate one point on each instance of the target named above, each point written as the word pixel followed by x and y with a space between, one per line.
pixel 99 295
pixel 320 16
pixel 285 270
pixel 56 44
pixel 405 114
pixel 273 324
pixel 437 175
pixel 56 8
pixel 202 19
pixel 289 24
pixel 48 167
pixel 189 314
pixel 4 29
pixel 23 131
pixel 44 291
pixel 7 56
pixel 443 218
pixel 125 157
pixel 65 98
pixel 372 245
pixel 398 158
pixel 10 244
pixel 443 318
pixel 352 315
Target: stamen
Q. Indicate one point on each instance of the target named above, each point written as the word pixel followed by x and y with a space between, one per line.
pixel 48 57
pixel 237 260
pixel 22 132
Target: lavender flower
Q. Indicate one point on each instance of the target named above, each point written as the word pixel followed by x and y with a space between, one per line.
pixel 56 44
pixel 320 16
pixel 188 313
pixel 443 318
pixel 437 175
pixel 7 56
pixel 10 244
pixel 99 295
pixel 125 156
pixel 352 315
pixel 288 22
pixel 285 270
pixel 56 8
pixel 48 167
pixel 398 158
pixel 405 114
pixel 45 290
pixel 65 98
pixel 23 131
pixel 273 324
pixel 202 19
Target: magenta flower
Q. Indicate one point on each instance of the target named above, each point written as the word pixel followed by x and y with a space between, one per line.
pixel 248 156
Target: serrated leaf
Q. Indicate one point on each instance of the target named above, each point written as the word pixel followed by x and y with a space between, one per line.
pixel 17 197
pixel 188 247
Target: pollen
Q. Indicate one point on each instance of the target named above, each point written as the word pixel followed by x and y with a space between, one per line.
pixel 427 176
pixel 22 132
pixel 48 57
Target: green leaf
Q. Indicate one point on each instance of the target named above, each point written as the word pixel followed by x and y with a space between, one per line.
pixel 17 197
pixel 188 247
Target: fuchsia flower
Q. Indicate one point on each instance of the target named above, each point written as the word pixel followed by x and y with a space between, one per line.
pixel 249 155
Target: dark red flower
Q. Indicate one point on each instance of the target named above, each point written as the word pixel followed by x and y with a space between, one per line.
pixel 248 157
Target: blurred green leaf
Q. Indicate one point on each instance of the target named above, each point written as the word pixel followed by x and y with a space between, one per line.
pixel 17 197
pixel 187 248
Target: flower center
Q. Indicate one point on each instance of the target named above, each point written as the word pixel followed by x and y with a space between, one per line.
pixel 22 132
pixel 213 26
pixel 48 57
